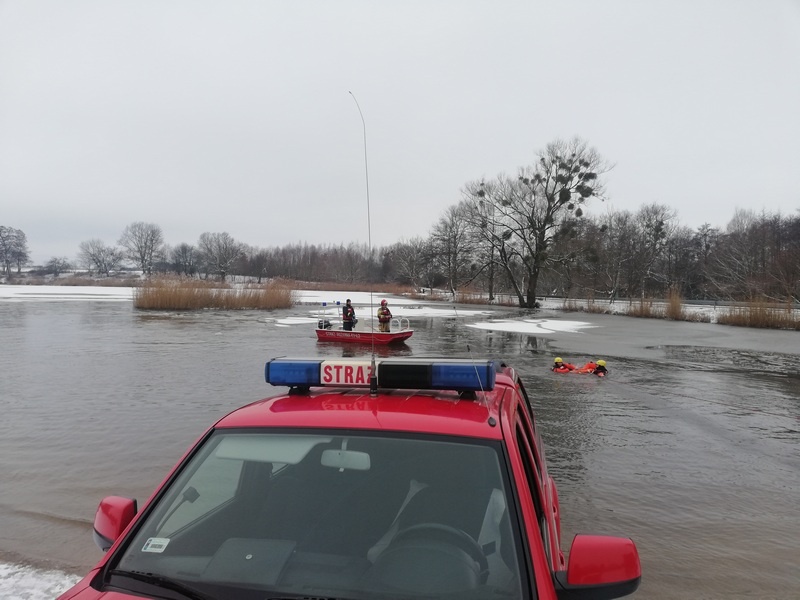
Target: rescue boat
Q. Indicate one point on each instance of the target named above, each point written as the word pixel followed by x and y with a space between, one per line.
pixel 331 330
pixel 363 337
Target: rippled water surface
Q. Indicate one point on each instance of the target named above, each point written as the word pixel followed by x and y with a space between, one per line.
pixel 690 446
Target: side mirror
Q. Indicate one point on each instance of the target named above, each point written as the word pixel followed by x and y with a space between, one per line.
pixel 113 515
pixel 600 567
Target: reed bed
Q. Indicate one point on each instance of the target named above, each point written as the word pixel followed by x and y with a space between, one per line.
pixel 471 298
pixel 761 314
pixel 589 306
pixel 646 309
pixel 193 294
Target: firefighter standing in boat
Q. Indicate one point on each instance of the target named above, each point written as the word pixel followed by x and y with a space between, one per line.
pixel 348 316
pixel 384 317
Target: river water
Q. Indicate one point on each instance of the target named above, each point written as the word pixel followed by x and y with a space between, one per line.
pixel 690 446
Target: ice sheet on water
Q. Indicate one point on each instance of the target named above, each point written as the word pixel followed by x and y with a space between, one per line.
pixel 19 582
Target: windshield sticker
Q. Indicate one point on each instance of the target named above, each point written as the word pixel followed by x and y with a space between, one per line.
pixel 157 545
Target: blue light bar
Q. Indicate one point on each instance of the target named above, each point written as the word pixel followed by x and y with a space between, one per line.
pixel 424 374
pixel 291 372
pixel 468 376
pixel 436 374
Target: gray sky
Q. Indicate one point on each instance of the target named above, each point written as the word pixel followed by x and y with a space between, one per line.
pixel 235 115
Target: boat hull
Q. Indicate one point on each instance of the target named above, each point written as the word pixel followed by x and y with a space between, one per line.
pixel 363 337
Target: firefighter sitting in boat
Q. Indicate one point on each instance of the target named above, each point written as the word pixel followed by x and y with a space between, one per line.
pixel 384 317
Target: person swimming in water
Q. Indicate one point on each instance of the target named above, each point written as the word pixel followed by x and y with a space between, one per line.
pixel 559 366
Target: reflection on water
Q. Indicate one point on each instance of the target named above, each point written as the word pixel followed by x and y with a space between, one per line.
pixel 691 451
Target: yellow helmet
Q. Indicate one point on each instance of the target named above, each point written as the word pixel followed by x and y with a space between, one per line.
pixel 558 359
pixel 601 363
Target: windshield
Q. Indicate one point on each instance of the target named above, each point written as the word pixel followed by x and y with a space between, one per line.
pixel 325 514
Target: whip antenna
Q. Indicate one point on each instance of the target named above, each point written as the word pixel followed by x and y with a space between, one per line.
pixel 373 379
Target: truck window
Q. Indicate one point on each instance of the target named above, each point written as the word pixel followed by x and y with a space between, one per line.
pixel 534 482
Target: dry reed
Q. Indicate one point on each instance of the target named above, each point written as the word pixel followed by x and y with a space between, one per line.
pixel 590 307
pixel 674 309
pixel 645 309
pixel 192 294
pixel 471 298
pixel 762 315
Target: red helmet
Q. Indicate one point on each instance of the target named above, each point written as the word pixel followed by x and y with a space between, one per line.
pixel 383 302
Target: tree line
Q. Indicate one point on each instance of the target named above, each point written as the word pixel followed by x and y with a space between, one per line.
pixel 523 235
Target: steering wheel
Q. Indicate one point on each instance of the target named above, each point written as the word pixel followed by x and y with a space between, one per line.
pixel 449 535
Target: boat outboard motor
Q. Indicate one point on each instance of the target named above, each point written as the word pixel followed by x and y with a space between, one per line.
pixel 324 324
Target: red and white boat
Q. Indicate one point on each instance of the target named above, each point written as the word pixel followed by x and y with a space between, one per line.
pixel 364 337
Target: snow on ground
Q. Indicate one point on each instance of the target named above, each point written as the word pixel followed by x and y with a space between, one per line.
pixel 17 293
pixel 329 304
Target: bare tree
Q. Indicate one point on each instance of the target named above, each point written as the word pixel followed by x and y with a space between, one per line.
pixel 452 246
pixel 143 244
pixel 57 265
pixel 481 214
pixel 13 249
pixel 220 251
pixel 735 268
pixel 655 226
pixel 184 259
pixel 256 262
pixel 411 261
pixel 531 210
pixel 705 239
pixel 96 256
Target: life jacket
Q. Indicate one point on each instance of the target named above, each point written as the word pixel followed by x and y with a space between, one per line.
pixel 384 315
pixel 562 368
pixel 348 312
pixel 589 367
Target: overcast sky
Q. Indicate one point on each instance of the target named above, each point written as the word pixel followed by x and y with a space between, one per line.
pixel 235 115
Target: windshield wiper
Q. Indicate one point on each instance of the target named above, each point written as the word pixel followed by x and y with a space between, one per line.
pixel 166 583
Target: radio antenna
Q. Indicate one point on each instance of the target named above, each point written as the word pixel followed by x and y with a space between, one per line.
pixel 373 379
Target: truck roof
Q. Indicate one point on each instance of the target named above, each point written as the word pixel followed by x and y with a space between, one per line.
pixel 423 412
pixel 470 411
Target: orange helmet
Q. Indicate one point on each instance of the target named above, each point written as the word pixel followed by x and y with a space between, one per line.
pixel 383 302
